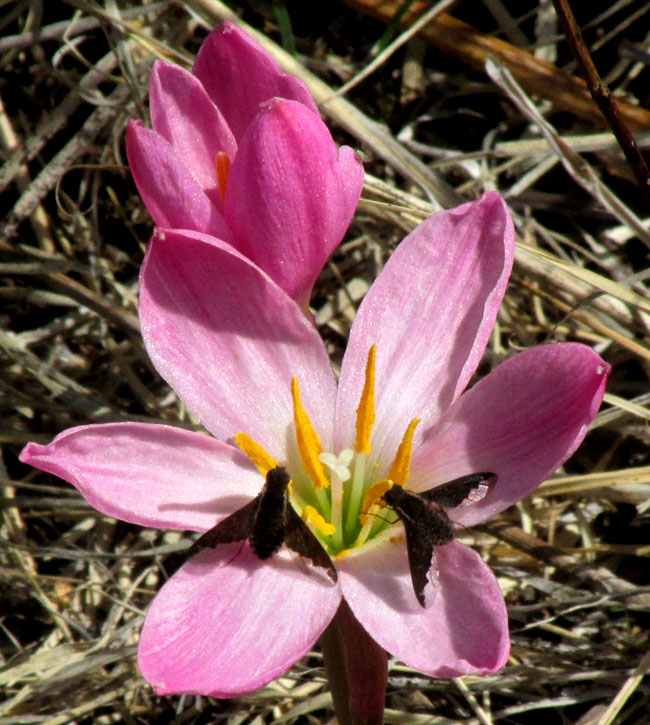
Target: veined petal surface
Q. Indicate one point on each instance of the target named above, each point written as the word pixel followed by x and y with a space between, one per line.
pixel 227 623
pixel 239 75
pixel 183 114
pixel 430 312
pixel 171 194
pixel 522 421
pixel 463 631
pixel 229 340
pixel 151 475
pixel 291 195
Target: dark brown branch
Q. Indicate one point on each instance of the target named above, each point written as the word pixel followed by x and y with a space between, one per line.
pixel 603 96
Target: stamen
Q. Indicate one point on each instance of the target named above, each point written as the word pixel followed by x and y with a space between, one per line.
pixel 313 518
pixel 372 505
pixel 262 460
pixel 308 441
pixel 399 471
pixel 373 498
pixel 366 409
pixel 223 171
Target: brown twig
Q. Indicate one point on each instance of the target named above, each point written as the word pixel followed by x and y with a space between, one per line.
pixel 465 42
pixel 603 96
pixel 566 566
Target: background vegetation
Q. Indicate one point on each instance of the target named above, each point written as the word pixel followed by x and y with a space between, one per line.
pixel 436 127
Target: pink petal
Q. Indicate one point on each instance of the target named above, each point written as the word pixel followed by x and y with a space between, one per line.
pixel 183 114
pixel 463 631
pixel 291 195
pixel 239 75
pixel 227 623
pixel 152 475
pixel 229 341
pixel 521 422
pixel 169 191
pixel 430 312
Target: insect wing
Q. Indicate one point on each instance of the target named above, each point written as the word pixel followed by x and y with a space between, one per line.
pixel 268 521
pixel 422 527
pixel 422 561
pixel 236 527
pixel 466 489
pixel 300 539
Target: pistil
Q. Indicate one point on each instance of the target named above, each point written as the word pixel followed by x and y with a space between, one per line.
pixel 339 474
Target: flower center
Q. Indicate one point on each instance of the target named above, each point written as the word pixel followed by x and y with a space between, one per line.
pixel 336 495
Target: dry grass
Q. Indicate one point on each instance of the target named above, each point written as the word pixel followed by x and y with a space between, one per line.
pixel 572 559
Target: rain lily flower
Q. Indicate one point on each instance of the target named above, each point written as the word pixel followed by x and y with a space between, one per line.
pixel 238 151
pixel 253 369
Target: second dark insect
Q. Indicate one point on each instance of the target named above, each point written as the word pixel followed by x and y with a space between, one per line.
pixel 427 524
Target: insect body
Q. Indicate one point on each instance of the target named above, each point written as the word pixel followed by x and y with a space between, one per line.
pixel 426 523
pixel 268 521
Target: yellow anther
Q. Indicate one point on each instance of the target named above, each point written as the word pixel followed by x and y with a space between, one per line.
pixel 366 409
pixel 399 471
pixel 223 172
pixel 373 499
pixel 311 516
pixel 262 460
pixel 308 441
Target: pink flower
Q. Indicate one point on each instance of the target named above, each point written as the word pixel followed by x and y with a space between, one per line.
pixel 238 151
pixel 226 622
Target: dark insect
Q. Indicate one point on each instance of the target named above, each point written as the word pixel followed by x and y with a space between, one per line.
pixel 268 521
pixel 426 523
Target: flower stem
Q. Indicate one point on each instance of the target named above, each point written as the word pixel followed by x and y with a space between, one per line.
pixel 357 670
